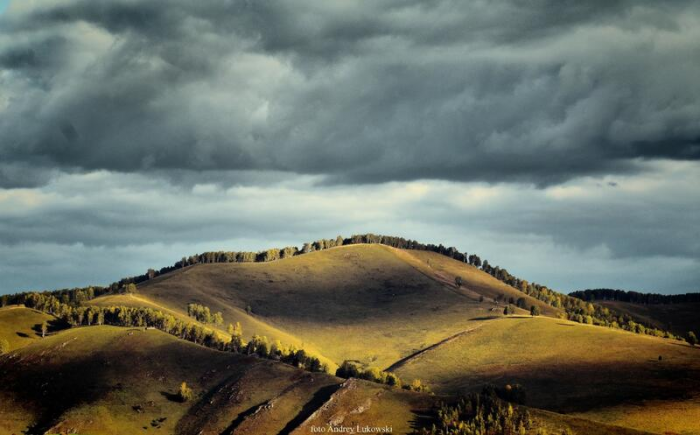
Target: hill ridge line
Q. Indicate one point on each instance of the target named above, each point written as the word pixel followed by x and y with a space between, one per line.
pixel 414 262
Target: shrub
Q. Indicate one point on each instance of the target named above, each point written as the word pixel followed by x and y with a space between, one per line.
pixel 185 393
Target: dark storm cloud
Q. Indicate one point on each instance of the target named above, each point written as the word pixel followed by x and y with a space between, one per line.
pixel 494 91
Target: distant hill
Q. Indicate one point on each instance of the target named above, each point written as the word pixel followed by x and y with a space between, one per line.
pixel 676 313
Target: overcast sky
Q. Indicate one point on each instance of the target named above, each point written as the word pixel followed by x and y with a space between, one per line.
pixel 557 139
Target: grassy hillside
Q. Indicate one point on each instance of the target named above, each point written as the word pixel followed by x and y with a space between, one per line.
pixel 357 403
pixel 21 326
pixel 110 380
pixel 250 324
pixel 603 374
pixel 366 302
pixel 677 318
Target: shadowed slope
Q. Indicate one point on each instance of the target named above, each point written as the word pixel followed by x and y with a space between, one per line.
pixel 111 380
pixel 678 318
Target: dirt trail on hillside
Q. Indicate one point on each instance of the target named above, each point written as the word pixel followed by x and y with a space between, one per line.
pixel 416 354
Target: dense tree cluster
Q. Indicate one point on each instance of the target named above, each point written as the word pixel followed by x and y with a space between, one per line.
pixel 261 346
pixel 479 414
pixel 147 317
pixel 606 294
pixel 575 309
pixel 354 369
pixel 72 296
pixel 204 315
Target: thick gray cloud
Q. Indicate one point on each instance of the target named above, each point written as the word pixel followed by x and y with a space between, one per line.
pixel 355 92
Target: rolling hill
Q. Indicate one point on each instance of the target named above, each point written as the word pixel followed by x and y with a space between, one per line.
pixel 108 381
pixel 598 373
pixel 21 326
pixel 677 313
pixel 370 303
pixel 393 309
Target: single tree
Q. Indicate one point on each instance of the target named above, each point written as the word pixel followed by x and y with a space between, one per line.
pixel 44 329
pixel 534 310
pixel 218 318
pixel 185 392
pixel 692 339
pixel 458 281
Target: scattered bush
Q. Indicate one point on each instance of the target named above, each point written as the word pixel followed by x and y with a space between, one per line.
pixel 354 369
pixel 204 315
pixel 185 393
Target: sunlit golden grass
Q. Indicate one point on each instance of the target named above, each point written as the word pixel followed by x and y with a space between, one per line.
pixel 21 326
pixel 595 372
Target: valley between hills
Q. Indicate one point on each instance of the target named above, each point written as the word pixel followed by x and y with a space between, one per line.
pixel 387 317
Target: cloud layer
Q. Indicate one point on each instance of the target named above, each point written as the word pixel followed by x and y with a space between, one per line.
pixel 558 139
pixel 537 92
pixel 632 231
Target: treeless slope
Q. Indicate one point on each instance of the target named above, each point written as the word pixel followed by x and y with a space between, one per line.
pixel 364 302
pixel 677 318
pixel 21 326
pixel 603 374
